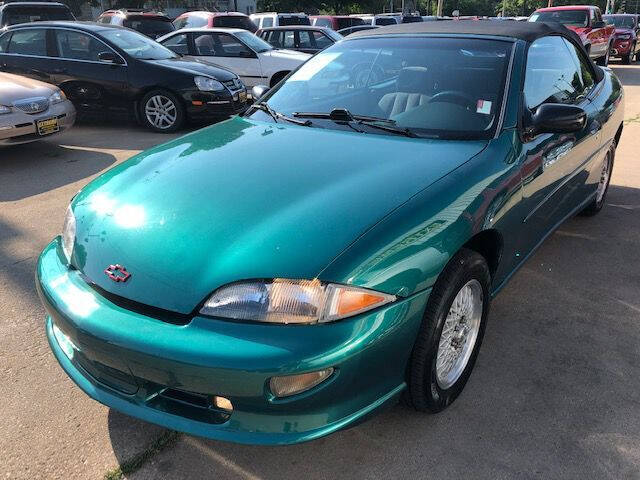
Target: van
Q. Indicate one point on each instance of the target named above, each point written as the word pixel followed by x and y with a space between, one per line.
pixel 273 19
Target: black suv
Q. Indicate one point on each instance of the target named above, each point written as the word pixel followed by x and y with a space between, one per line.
pixel 104 68
pixel 149 23
pixel 12 13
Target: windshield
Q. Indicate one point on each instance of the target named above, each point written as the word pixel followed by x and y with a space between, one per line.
pixel 152 27
pixel 572 18
pixel 254 43
pixel 434 87
pixel 137 45
pixel 620 21
pixel 14 14
pixel 285 20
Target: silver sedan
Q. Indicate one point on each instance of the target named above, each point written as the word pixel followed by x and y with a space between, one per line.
pixel 31 110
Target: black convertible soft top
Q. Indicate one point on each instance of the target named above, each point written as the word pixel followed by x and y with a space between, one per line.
pixel 527 31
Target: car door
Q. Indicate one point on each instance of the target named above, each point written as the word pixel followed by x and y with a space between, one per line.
pixel 553 165
pixel 228 51
pixel 27 52
pixel 89 82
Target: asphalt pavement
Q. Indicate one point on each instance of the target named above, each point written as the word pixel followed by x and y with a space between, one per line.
pixel 555 393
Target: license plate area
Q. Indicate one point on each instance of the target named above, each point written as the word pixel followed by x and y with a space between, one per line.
pixel 48 126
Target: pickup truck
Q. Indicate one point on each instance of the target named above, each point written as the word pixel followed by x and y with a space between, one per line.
pixel 586 20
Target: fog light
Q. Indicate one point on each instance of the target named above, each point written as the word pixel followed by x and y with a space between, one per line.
pixel 222 403
pixel 292 384
pixel 65 342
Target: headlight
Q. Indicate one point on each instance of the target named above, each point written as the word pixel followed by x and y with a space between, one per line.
pixel 68 233
pixel 57 97
pixel 4 110
pixel 291 301
pixel 207 84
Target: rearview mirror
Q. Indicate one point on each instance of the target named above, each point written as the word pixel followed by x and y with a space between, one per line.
pixel 558 118
pixel 109 57
pixel 258 91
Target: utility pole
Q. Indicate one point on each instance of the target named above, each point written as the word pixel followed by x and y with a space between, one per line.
pixel 439 11
pixel 550 4
pixel 504 6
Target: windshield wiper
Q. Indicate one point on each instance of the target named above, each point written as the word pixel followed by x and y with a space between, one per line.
pixel 344 115
pixel 279 116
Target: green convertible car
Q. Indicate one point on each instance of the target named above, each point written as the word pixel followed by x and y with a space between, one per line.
pixel 284 274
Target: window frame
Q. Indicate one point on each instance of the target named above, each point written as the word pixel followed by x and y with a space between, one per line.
pixel 52 47
pixel 523 98
pixel 195 50
pixel 56 50
pixel 47 45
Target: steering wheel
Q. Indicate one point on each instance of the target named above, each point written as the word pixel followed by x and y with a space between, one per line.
pixel 455 96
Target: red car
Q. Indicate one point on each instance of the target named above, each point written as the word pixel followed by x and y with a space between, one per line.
pixel 335 22
pixel 587 22
pixel 215 19
pixel 625 42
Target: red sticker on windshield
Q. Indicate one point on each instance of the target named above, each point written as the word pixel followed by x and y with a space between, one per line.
pixel 484 107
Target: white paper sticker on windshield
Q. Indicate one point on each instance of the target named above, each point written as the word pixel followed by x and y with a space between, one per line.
pixel 484 107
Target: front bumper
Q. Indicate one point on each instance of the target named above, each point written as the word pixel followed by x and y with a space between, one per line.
pixel 621 47
pixel 18 127
pixel 207 105
pixel 131 362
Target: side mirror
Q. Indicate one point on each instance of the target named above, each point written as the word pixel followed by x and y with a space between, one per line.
pixel 109 57
pixel 246 54
pixel 258 91
pixel 599 24
pixel 558 118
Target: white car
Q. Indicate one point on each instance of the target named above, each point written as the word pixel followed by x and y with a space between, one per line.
pixel 251 58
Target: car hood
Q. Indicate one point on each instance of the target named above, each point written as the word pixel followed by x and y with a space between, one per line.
pixel 246 199
pixel 196 66
pixel 14 88
pixel 287 55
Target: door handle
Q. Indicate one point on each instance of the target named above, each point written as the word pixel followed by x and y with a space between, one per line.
pixel 595 127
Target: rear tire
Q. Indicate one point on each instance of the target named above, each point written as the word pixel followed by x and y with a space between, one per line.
pixel 452 328
pixel 161 111
pixel 603 186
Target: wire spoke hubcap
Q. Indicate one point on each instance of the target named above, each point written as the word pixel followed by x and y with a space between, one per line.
pixel 161 112
pixel 604 178
pixel 459 334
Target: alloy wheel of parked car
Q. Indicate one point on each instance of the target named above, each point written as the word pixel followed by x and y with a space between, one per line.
pixel 603 185
pixel 162 111
pixel 451 333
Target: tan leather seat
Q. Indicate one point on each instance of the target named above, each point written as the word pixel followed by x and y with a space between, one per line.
pixel 412 86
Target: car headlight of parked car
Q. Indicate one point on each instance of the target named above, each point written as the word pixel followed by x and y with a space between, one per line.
pixel 4 110
pixel 207 84
pixel 68 233
pixel 57 97
pixel 291 301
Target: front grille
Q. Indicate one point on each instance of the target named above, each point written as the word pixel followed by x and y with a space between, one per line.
pixel 234 84
pixel 32 105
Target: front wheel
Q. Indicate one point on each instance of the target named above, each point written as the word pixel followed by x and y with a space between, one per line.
pixel 162 111
pixel 604 60
pixel 451 333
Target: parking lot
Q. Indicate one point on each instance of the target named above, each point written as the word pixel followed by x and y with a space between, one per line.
pixel 555 393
